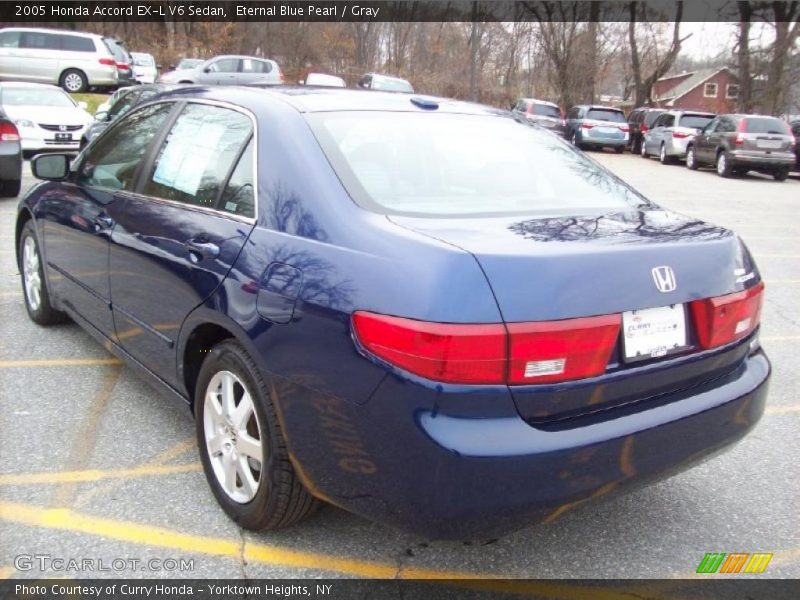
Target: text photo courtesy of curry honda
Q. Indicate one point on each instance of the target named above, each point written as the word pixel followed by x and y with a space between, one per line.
pixel 490 289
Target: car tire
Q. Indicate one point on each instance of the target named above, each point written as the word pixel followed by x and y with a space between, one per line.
pixel 10 189
pixel 574 140
pixel 643 150
pixel 34 285
pixel 74 81
pixel 663 157
pixel 229 441
pixel 781 175
pixel 724 168
pixel 691 159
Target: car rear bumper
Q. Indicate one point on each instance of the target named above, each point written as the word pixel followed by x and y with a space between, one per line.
pixel 605 142
pixel 463 476
pixel 778 159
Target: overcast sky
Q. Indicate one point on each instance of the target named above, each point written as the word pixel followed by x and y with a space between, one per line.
pixel 711 39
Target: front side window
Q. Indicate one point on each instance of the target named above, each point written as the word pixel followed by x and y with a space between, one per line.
pixel 226 65
pixel 443 165
pixel 124 104
pixel 112 161
pixel 198 154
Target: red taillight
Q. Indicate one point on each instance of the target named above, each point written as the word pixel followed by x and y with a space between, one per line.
pixel 741 128
pixel 540 352
pixel 108 61
pixel 643 128
pixel 550 351
pixel 586 125
pixel 123 66
pixel 739 140
pixel 725 319
pixel 679 135
pixel 8 132
pixel 440 351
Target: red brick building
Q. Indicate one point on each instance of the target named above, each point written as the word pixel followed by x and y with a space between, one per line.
pixel 714 90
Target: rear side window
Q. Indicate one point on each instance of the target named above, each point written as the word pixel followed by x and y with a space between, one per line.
pixel 255 66
pixel 198 155
pixel 766 125
pixel 112 162
pixel 602 114
pixel 75 43
pixel 9 39
pixel 545 110
pixel 444 165
pixel 239 195
pixel 39 41
pixel 226 65
pixel 695 121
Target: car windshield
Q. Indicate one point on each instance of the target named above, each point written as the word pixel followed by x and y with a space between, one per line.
pixel 189 63
pixel 545 110
pixel 766 125
pixel 35 97
pixel 695 121
pixel 463 165
pixel 602 114
pixel 391 85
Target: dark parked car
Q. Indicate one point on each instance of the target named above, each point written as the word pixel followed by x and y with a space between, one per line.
pixel 131 97
pixel 736 144
pixel 639 121
pixel 10 157
pixel 795 125
pixel 421 310
pixel 597 127
pixel 541 112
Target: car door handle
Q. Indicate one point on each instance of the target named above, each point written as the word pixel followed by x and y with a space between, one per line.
pixel 103 222
pixel 201 248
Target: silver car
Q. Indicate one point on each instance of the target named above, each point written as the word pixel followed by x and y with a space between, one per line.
pixel 671 133
pixel 71 59
pixel 228 70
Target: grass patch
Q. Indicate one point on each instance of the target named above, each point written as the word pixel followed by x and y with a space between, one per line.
pixel 93 100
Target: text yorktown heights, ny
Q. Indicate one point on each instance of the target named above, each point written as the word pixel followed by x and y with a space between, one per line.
pixel 156 590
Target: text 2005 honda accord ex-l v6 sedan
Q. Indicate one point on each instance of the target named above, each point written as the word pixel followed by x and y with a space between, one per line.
pixel 423 311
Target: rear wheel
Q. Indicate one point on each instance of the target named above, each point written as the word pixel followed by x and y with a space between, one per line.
pixel 642 150
pixel 34 285
pixel 242 448
pixel 724 168
pixel 691 159
pixel 74 81
pixel 781 175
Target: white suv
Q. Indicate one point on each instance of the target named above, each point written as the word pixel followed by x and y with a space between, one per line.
pixel 73 60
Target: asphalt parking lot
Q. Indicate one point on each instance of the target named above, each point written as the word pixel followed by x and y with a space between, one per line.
pixel 94 465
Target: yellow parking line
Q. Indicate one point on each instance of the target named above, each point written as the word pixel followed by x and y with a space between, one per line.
pixel 59 362
pixel 252 552
pixel 781 410
pixel 96 474
pixel 7 572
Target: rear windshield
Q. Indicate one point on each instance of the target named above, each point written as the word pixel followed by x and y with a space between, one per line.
pixel 602 114
pixel 651 116
pixel 695 121
pixel 120 54
pixel 391 85
pixel 766 125
pixel 545 110
pixel 143 60
pixel 462 165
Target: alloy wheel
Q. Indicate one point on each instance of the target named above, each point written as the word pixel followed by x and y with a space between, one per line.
pixel 233 436
pixel 722 164
pixel 690 158
pixel 31 274
pixel 73 82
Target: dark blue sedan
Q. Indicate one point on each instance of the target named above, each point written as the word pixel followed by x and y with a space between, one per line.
pixel 423 311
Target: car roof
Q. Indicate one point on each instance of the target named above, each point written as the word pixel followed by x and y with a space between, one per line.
pixel 51 30
pixel 328 99
pixel 235 56
pixel 537 101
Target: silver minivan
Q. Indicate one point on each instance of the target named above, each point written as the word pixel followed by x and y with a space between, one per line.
pixel 73 60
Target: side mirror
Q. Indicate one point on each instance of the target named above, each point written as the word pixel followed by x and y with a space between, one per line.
pixel 207 70
pixel 83 104
pixel 50 167
pixel 101 115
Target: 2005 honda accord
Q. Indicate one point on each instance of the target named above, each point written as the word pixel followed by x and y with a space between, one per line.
pixel 423 311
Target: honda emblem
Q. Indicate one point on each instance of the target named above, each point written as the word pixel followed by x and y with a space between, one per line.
pixel 62 127
pixel 664 279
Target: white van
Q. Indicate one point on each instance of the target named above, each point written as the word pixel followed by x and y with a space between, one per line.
pixel 73 60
